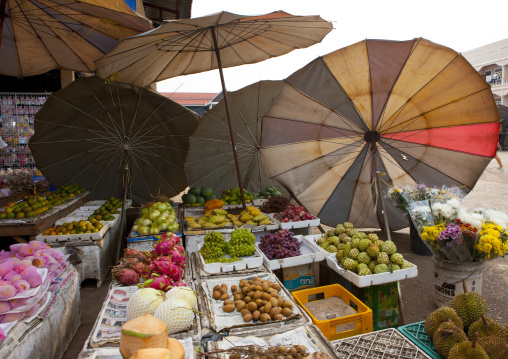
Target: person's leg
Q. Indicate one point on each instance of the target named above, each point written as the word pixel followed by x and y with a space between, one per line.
pixel 499 162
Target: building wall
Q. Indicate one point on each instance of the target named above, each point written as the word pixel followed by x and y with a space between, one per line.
pixel 491 61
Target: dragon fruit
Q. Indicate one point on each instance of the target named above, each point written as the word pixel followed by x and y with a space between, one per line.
pixel 134 253
pixel 2 334
pixel 130 262
pixel 7 291
pixel 125 275
pixel 177 258
pixel 21 285
pixel 5 266
pixel 4 307
pixel 162 282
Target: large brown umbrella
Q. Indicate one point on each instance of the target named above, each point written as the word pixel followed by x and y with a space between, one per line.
pixel 181 47
pixel 40 35
pixel 413 110
pixel 89 131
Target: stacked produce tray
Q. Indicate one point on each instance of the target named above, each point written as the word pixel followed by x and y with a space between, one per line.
pixel 85 237
pixel 383 344
pixel 416 333
pixel 198 272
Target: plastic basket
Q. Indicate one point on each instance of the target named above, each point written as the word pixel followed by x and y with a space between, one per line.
pixel 331 328
pixel 416 333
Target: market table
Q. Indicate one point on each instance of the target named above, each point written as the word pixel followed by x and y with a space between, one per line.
pixel 32 227
pixel 49 334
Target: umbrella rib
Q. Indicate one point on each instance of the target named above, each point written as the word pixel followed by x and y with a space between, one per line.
pixel 115 154
pixel 206 158
pixel 236 133
pixel 139 169
pixel 138 136
pixel 149 152
pixel 135 112
pixel 138 129
pixel 368 156
pixel 119 105
pixel 416 93
pixel 11 30
pixel 163 177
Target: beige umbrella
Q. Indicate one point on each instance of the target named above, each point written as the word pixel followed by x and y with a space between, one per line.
pixel 189 46
pixel 40 35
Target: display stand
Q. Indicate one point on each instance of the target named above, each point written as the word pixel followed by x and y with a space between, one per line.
pixel 49 334
pixel 31 228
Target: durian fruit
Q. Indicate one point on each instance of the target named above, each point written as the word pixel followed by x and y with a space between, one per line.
pixel 468 350
pixel 484 327
pixel 469 306
pixel 441 315
pixel 495 347
pixel 446 336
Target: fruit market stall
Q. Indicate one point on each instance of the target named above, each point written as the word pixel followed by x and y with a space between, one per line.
pixel 40 302
pixel 91 235
pixel 35 214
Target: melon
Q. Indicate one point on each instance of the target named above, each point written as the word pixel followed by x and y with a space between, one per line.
pixel 184 293
pixel 206 191
pixel 196 191
pixel 189 198
pixel 176 313
pixel 144 301
pixel 200 200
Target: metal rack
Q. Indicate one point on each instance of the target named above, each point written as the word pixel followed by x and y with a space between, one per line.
pixel 17 113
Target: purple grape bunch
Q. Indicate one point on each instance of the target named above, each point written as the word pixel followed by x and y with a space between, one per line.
pixel 281 244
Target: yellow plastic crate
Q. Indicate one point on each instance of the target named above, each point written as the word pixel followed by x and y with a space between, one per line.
pixel 331 329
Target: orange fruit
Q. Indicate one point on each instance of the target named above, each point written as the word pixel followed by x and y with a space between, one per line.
pixel 20 215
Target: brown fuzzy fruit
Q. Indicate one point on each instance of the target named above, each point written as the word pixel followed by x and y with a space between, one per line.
pixel 216 288
pixel 281 349
pixel 238 296
pixel 247 317
pixel 245 311
pixel 257 295
pixel 234 288
pixel 266 296
pixel 224 285
pixel 276 286
pixel 278 317
pixel 228 301
pixel 223 291
pixel 286 312
pixel 240 306
pixel 224 296
pixel 245 290
pixel 264 317
pixel 247 299
pixel 275 311
pixel 228 308
pixel 252 306
pixel 259 302
pixel 280 301
pixel 262 309
pixel 256 314
pixel 268 308
pixel 287 305
pixel 274 302
pixel 216 294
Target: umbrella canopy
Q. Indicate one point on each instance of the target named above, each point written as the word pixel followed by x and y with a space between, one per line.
pixel 87 132
pixel 182 47
pixel 209 160
pixel 415 110
pixel 40 35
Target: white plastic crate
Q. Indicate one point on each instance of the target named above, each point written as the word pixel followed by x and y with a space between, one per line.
pixel 72 237
pixel 310 253
pixel 373 279
pixel 313 238
pixel 301 224
pixel 254 261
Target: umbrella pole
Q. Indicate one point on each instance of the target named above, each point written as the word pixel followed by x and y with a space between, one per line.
pixel 124 214
pixel 381 197
pixel 228 115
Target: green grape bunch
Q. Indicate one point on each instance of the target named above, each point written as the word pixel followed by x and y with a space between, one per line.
pixel 241 243
pixel 214 246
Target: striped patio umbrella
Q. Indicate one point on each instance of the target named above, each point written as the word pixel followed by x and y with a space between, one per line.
pixel 413 110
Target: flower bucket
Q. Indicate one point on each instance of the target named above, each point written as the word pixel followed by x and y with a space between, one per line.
pixel 448 279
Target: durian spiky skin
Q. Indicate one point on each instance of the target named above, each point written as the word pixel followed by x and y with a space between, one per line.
pixel 446 336
pixel 479 327
pixel 439 316
pixel 495 347
pixel 464 350
pixel 469 306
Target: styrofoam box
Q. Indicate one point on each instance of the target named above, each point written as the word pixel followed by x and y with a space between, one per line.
pixel 250 262
pixel 310 253
pixel 313 238
pixel 301 224
pixel 97 204
pixel 80 218
pixel 70 237
pixel 373 279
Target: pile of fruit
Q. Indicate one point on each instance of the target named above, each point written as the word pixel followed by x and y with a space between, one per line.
pixel 162 268
pixel 256 351
pixel 220 218
pixel 269 192
pixel 197 196
pixel 106 211
pixel 159 217
pixel 215 247
pixel 75 227
pixel 18 274
pixel 281 244
pixel 233 196
pixel 463 330
pixel 294 213
pixel 255 300
pixel 361 253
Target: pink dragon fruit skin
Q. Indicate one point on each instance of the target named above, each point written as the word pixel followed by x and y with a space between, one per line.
pixel 177 258
pixel 163 283
pixel 21 285
pixel 5 266
pixel 13 317
pixel 5 307
pixel 7 291
pixel 36 245
pixel 180 284
pixel 162 248
pixel 2 334
pixel 32 277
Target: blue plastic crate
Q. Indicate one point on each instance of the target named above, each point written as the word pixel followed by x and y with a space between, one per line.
pixel 416 333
